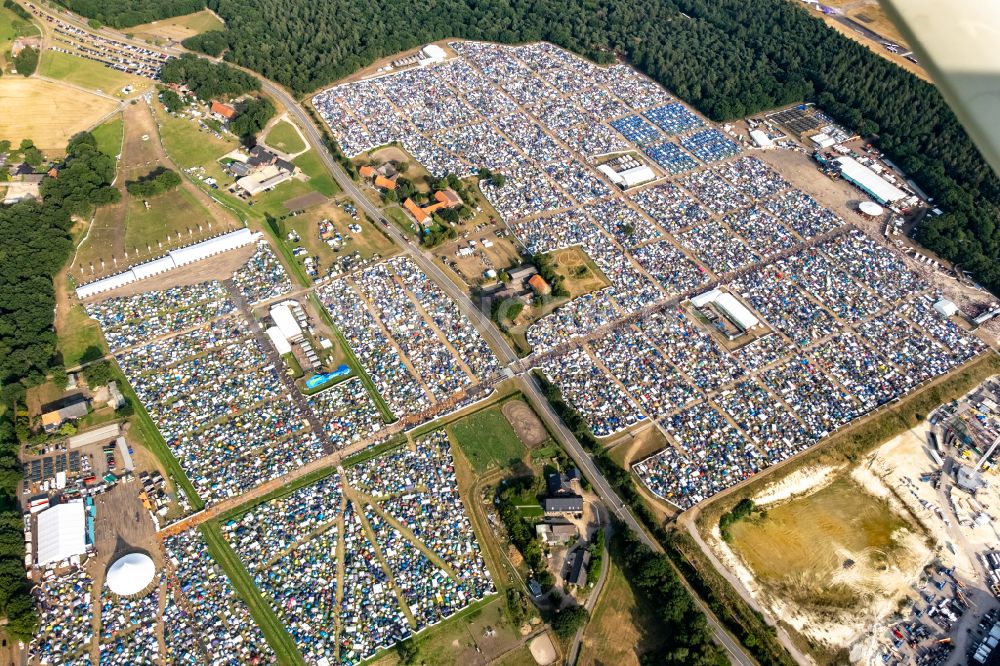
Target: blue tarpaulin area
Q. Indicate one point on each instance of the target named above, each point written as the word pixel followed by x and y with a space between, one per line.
pixel 318 380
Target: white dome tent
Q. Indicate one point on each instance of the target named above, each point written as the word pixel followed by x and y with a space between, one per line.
pixel 130 574
pixel 871 209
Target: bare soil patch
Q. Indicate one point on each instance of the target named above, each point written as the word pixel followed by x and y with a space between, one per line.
pixel 305 201
pixel 525 423
pixel 542 649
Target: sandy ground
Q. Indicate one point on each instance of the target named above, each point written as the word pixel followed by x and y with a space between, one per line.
pixel 891 473
pixel 525 423
pixel 66 111
pixel 542 650
pixel 880 589
pixel 797 484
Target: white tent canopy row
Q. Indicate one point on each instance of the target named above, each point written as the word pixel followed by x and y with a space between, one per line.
pixel 173 259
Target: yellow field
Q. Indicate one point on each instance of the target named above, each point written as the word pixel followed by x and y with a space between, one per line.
pixel 179 27
pixel 800 548
pixel 47 113
pixel 620 629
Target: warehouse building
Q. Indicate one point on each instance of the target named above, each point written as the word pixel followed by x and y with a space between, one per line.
pixel 868 181
pixel 61 532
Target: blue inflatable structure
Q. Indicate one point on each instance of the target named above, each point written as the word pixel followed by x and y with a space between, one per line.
pixel 319 380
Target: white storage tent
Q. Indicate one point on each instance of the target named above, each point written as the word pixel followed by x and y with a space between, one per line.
pixel 212 247
pixel 637 175
pixel 154 267
pixel 701 300
pixel 761 138
pixel 174 259
pixel 131 574
pixel 736 312
pixel 945 308
pixel 105 284
pixel 285 321
pixel 279 341
pixel 61 532
pixel 876 186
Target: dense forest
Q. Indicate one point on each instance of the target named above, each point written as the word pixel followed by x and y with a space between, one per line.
pixel 126 13
pixel 208 80
pixel 254 114
pixel 35 243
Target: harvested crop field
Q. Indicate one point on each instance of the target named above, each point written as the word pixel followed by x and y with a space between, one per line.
pixel 47 113
pixel 178 27
pixel 305 201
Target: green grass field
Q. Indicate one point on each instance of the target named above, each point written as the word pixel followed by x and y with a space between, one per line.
pixel 531 510
pixel 274 631
pixel 168 213
pixel 400 219
pixel 319 179
pixel 487 439
pixel 81 337
pixel 187 144
pixel 110 136
pixel 87 73
pixel 283 137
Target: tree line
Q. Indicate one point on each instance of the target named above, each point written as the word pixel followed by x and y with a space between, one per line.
pixel 207 79
pixel 158 181
pixel 127 13
pixel 35 243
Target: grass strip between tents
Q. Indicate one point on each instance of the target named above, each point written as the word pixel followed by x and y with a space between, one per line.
pixel 272 628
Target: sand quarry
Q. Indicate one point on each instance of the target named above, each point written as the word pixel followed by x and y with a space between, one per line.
pixel 839 548
pixel 793 560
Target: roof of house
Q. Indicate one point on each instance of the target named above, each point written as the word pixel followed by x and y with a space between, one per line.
pixel 416 211
pixel 385 183
pixel 448 198
pixel 223 110
pixel 538 284
pixel 564 503
pixel 578 574
pixel 367 171
pixel 522 272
